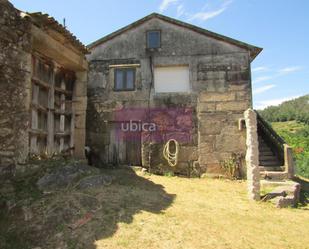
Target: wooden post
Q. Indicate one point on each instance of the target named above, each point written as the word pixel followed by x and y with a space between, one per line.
pixel 62 116
pixel 34 120
pixel 50 117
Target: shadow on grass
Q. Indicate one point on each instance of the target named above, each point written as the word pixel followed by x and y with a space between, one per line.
pixel 49 217
pixel 128 195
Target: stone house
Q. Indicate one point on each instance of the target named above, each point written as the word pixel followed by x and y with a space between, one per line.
pixel 155 81
pixel 43 78
pixel 162 63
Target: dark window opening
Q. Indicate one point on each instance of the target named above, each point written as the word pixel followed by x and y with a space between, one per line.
pixel 153 39
pixel 124 79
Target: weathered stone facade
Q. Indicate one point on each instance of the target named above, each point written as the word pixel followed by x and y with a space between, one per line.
pixel 15 74
pixel 23 37
pixel 220 85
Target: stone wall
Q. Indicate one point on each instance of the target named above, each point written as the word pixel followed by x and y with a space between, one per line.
pixel 220 92
pixel 15 69
pixel 21 40
pixel 225 94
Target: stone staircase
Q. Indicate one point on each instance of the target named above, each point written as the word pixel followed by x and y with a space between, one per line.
pixel 276 167
pixel 271 167
pixel 267 157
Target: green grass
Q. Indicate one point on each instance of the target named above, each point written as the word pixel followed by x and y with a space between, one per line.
pixel 297 136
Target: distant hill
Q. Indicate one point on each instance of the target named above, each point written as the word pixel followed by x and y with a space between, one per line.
pixel 296 109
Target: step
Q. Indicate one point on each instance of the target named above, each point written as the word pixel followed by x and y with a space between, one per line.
pixel 274 168
pixel 263 157
pixel 266 153
pixel 264 148
pixel 263 144
pixel 273 175
pixel 290 189
pixel 269 163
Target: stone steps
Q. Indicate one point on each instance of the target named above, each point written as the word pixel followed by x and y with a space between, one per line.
pixel 283 193
pixel 267 158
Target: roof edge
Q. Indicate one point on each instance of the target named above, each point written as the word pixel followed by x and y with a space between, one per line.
pixel 42 20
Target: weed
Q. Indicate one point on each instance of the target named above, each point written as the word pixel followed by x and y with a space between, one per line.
pixel 232 165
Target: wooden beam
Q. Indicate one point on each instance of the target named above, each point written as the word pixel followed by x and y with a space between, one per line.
pixel 62 117
pixel 50 117
pixel 40 82
pixel 124 65
pixel 45 44
pixel 34 120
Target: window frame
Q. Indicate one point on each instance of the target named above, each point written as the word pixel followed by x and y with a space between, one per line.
pixel 125 88
pixel 160 38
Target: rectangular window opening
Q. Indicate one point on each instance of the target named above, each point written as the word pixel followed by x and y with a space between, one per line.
pixel 154 39
pixel 124 79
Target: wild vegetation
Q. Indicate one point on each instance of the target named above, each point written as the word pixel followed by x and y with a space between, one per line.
pixel 296 135
pixel 291 121
pixel 296 109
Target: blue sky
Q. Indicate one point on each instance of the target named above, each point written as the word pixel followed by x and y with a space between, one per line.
pixel 280 72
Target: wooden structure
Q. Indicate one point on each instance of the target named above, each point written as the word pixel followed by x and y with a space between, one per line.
pixel 58 89
pixel 52 112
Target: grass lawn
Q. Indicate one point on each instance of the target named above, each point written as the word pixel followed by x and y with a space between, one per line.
pixel 148 211
pixel 209 213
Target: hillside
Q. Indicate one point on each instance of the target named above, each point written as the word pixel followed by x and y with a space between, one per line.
pixel 291 121
pixel 296 109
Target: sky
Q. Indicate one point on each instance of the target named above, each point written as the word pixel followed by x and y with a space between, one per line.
pixel 280 27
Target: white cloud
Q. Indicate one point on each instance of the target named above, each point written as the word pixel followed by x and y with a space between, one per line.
pixel 279 73
pixel 259 69
pixel 180 10
pixel 261 79
pixel 287 70
pixel 205 15
pixel 265 103
pixel 165 4
pixel 263 89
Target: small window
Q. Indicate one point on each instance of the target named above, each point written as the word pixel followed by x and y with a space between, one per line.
pixel 153 39
pixel 124 79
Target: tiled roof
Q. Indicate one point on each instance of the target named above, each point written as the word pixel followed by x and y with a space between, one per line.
pixel 44 20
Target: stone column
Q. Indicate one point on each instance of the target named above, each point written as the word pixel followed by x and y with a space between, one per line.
pixel 252 155
pixel 288 161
